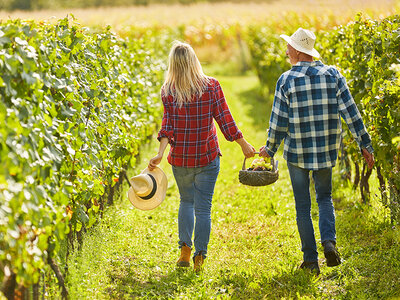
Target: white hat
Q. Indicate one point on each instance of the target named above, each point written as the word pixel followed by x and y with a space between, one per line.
pixel 148 189
pixel 302 40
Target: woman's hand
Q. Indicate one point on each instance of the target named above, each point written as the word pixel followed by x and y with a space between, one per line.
pixel 155 161
pixel 248 150
pixel 263 152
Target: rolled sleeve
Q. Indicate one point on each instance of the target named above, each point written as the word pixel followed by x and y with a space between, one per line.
pixel 166 127
pixel 223 116
pixel 270 152
pixel 351 115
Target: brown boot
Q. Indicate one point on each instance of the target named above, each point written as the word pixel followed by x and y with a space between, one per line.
pixel 198 263
pixel 184 260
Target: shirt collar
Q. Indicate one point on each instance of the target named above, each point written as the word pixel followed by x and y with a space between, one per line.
pixel 309 63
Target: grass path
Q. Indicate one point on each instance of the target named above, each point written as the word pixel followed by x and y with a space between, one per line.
pixel 254 250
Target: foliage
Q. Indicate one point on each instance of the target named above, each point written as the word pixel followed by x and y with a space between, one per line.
pixel 268 50
pixel 76 105
pixel 367 53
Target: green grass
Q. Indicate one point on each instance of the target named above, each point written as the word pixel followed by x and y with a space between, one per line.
pixel 254 251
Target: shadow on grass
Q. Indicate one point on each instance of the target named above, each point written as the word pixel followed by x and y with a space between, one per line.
pixel 292 283
pixel 260 105
pixel 158 286
pixel 370 248
pixel 231 283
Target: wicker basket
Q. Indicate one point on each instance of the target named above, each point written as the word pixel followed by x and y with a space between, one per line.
pixel 259 178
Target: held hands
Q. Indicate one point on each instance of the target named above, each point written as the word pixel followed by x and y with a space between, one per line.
pixel 369 158
pixel 263 152
pixel 154 162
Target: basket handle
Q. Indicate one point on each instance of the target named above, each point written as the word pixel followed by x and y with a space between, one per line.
pixel 274 167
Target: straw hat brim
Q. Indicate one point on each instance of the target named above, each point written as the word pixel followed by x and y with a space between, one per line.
pixel 312 52
pixel 159 196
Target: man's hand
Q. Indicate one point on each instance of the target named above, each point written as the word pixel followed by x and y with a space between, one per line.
pixel 369 158
pixel 154 162
pixel 263 152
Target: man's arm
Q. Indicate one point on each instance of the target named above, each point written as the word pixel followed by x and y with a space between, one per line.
pixel 278 123
pixel 351 115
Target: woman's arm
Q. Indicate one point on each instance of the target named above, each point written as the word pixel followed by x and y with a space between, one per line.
pixel 166 124
pixel 247 149
pixel 157 159
pixel 223 116
pixel 227 124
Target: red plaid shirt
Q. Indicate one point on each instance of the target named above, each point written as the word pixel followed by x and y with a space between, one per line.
pixel 191 131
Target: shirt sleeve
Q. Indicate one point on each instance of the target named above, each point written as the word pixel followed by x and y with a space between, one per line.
pixel 223 116
pixel 166 125
pixel 279 121
pixel 351 115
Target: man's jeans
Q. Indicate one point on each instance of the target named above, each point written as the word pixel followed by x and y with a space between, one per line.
pixel 196 189
pixel 301 189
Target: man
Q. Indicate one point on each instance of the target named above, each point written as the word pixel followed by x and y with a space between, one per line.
pixel 309 101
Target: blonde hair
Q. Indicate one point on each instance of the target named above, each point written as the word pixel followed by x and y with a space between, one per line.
pixel 185 76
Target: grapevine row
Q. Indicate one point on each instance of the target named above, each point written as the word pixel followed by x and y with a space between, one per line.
pixel 75 105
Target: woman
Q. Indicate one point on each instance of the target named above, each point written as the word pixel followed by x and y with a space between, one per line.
pixel 191 101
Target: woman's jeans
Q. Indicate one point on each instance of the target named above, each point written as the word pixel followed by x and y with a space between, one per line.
pixel 196 189
pixel 301 189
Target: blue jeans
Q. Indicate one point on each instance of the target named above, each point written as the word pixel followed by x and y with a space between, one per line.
pixel 301 189
pixel 196 189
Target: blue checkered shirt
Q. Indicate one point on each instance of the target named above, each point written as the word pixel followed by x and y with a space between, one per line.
pixel 309 101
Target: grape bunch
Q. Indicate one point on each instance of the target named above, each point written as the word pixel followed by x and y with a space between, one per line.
pixel 260 164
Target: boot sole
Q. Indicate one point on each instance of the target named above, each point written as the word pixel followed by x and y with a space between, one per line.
pixel 332 259
pixel 183 264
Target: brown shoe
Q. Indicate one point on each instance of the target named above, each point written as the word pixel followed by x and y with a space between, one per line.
pixel 331 254
pixel 184 260
pixel 198 263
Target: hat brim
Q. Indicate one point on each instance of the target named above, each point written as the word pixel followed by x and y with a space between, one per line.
pixel 313 52
pixel 159 196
